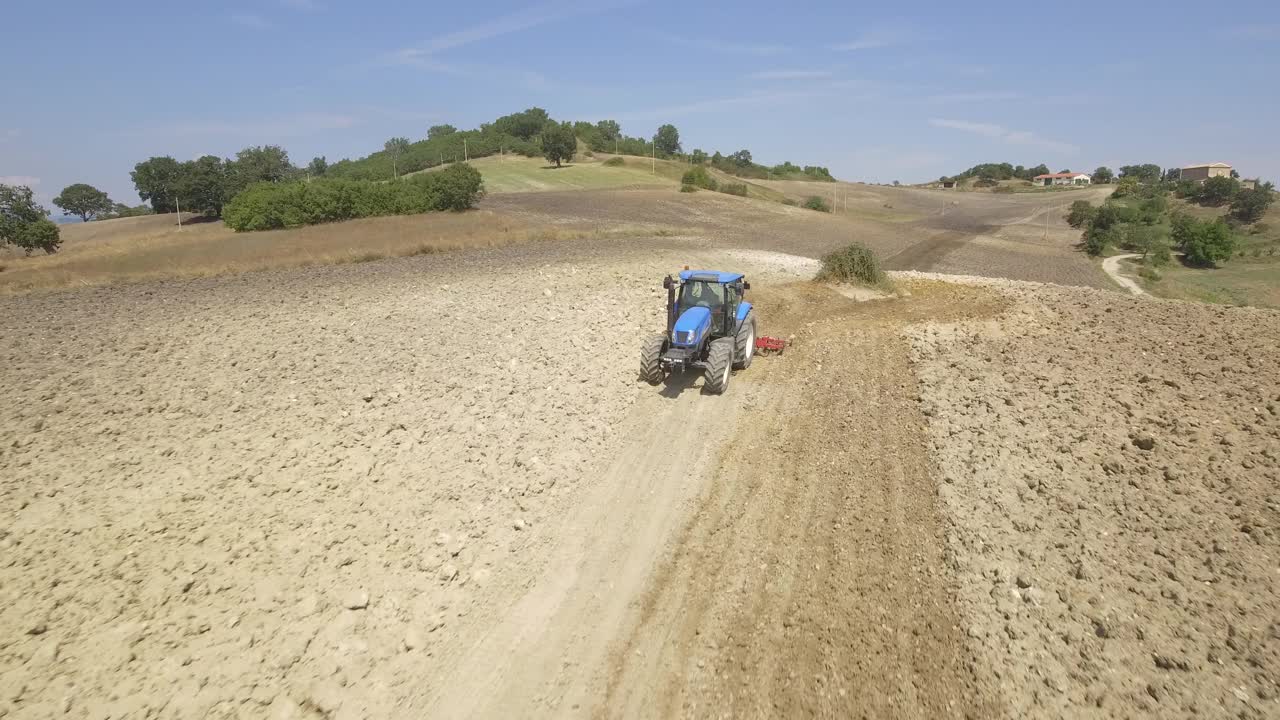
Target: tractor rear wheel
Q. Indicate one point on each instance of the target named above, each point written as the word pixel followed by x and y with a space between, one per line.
pixel 651 359
pixel 746 343
pixel 719 365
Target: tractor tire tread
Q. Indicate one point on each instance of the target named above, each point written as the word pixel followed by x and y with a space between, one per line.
pixel 650 359
pixel 743 355
pixel 719 363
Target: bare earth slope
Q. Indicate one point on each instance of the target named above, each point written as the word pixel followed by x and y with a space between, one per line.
pixel 1110 470
pixel 432 487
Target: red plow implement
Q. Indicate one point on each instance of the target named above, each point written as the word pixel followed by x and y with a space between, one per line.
pixel 766 345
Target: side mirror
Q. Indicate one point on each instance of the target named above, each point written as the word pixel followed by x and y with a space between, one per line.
pixel 666 283
pixel 746 285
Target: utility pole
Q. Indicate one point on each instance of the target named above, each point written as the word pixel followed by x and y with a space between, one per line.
pixel 465 157
pixel 653 157
pixel 177 203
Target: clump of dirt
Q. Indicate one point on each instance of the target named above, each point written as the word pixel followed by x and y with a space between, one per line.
pixel 1109 471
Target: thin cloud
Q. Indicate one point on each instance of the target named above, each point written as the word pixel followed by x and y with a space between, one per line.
pixel 790 75
pixel 266 129
pixel 300 4
pixel 424 56
pixel 251 21
pixel 712 105
pixel 1003 134
pixel 875 38
pixel 28 180
pixel 726 48
pixel 970 97
pixel 7 134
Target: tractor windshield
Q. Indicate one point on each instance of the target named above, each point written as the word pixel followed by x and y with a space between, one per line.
pixel 697 293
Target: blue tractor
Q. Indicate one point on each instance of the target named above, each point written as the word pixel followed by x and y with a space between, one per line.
pixel 709 326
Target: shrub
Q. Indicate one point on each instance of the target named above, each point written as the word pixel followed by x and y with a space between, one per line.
pixel 268 206
pixel 985 182
pixel 615 161
pixel 1146 272
pixel 1081 213
pixel 817 203
pixel 739 189
pixel 1204 243
pixel 789 201
pixel 1217 191
pixel 1097 239
pixel 699 177
pixel 686 187
pixel 1126 186
pixel 854 263
pixel 1251 205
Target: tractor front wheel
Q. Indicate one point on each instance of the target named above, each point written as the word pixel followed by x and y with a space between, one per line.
pixel 746 344
pixel 651 359
pixel 719 365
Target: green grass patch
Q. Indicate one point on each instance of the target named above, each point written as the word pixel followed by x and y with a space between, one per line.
pixel 1237 283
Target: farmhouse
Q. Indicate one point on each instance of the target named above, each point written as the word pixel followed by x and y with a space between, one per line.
pixel 1066 178
pixel 1200 173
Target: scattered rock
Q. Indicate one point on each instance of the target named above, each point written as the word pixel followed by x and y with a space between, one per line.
pixel 519 524
pixel 356 600
pixel 448 572
pixel 1144 441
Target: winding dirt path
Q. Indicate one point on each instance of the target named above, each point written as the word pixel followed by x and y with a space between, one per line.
pixel 1111 266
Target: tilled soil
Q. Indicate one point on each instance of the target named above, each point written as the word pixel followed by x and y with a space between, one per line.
pixel 289 492
pixel 811 580
pixel 1110 472
pixel 433 487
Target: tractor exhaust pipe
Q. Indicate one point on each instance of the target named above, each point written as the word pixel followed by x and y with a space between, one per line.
pixel 670 285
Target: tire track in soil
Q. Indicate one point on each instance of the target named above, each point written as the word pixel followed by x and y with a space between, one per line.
pixel 813 580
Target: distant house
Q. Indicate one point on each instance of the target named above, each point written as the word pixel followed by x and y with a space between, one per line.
pixel 1200 173
pixel 1066 178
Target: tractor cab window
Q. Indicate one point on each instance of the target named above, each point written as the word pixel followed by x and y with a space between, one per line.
pixel 701 294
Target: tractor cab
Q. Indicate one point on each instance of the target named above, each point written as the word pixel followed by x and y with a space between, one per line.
pixel 719 293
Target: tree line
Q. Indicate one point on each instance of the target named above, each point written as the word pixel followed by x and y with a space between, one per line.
pixel 209 183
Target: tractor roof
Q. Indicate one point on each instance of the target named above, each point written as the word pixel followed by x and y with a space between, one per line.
pixel 714 276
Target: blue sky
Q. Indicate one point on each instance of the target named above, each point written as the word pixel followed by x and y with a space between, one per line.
pixel 877 92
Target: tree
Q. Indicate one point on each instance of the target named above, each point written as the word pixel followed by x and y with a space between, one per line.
pixel 318 166
pixel 667 141
pixel 698 157
pixel 1040 169
pixel 523 125
pixel 741 158
pixel 1081 213
pixel 204 184
pixel 84 200
pixel 1102 175
pixel 437 131
pixel 395 147
pixel 268 163
pixel 24 223
pixel 1147 173
pixel 1249 206
pixel 1204 243
pixel 1217 191
pixel 609 129
pixel 558 142
pixel 156 180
